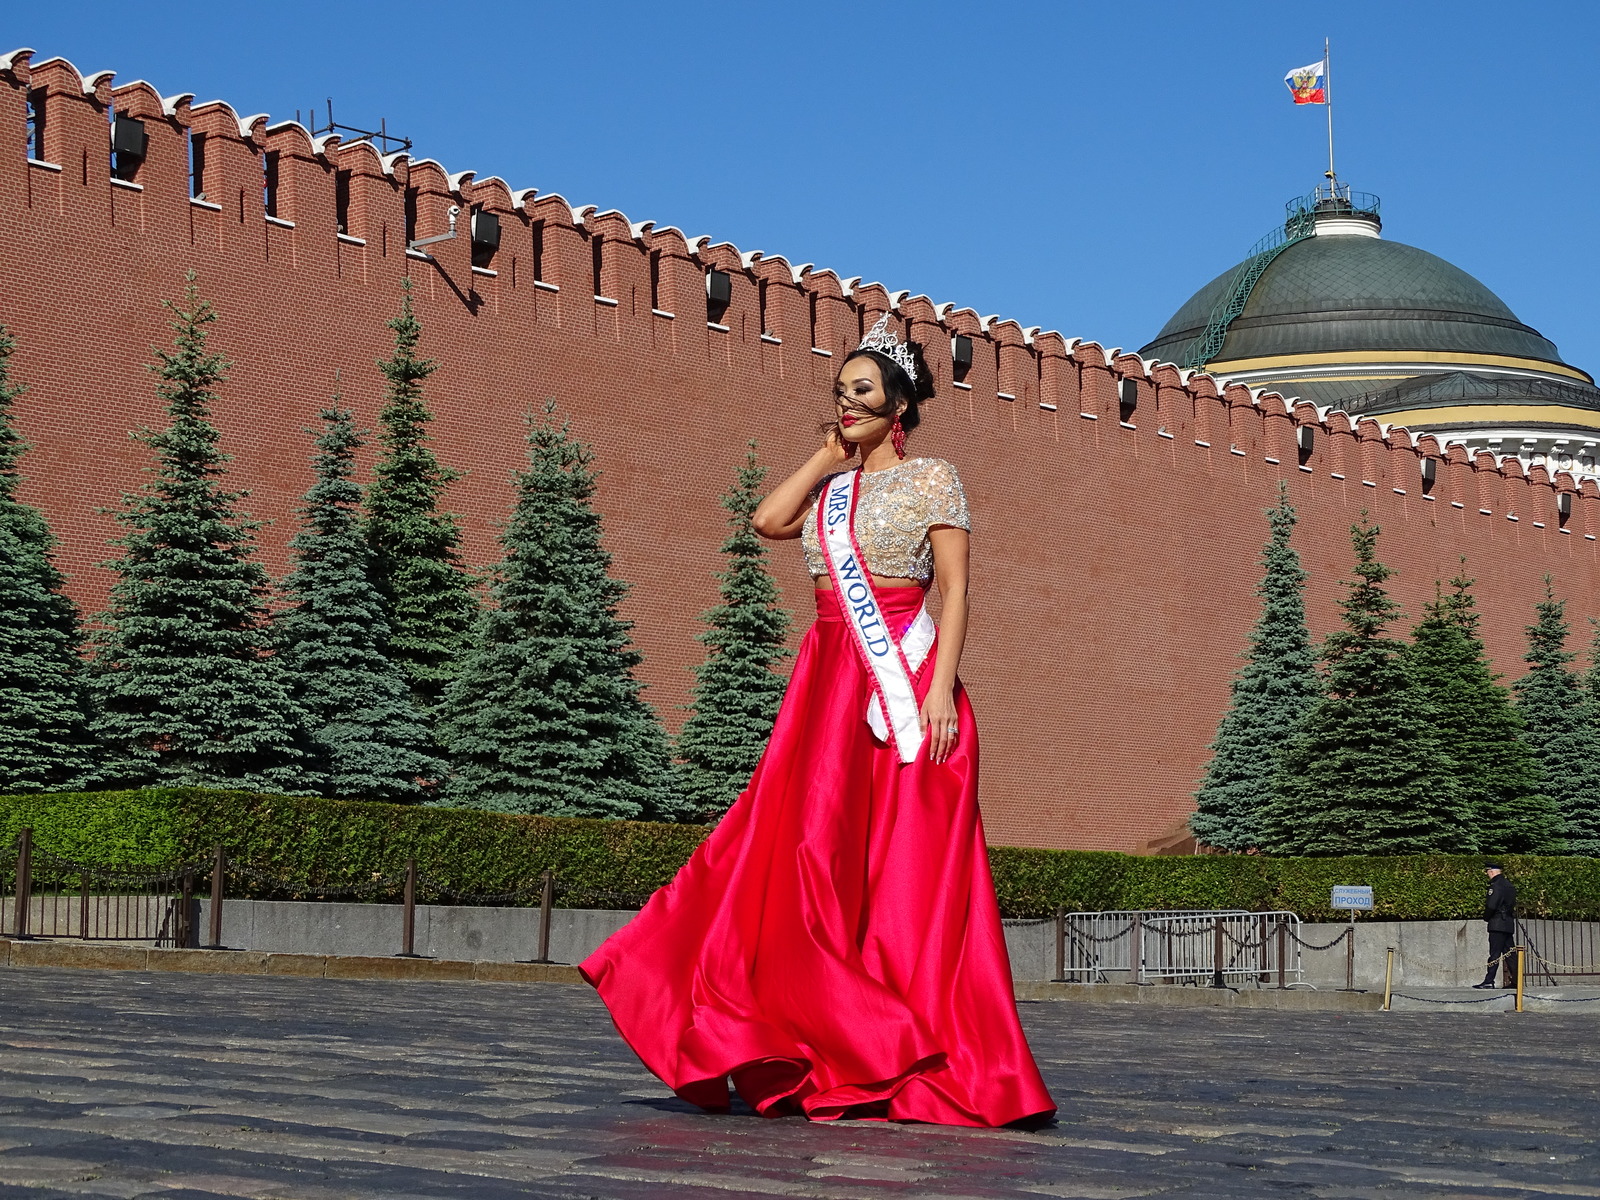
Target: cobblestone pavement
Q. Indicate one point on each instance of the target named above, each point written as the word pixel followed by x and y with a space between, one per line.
pixel 141 1085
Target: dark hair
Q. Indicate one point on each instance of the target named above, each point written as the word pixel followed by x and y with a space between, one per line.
pixel 898 386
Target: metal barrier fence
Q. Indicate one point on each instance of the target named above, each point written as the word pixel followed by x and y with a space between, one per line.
pixel 45 895
pixel 1202 947
pixel 1560 949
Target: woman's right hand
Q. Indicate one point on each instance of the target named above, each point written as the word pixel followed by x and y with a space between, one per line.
pixel 836 450
pixel 782 511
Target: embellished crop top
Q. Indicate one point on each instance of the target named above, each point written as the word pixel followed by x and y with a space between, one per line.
pixel 895 509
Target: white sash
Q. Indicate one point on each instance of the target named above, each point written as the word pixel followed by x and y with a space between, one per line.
pixel 890 664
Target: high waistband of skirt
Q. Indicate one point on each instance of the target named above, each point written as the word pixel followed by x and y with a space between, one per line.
pixel 895 601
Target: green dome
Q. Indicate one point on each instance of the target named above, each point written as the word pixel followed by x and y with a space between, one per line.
pixel 1349 295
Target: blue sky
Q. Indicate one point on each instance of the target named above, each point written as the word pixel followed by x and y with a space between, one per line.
pixel 1083 167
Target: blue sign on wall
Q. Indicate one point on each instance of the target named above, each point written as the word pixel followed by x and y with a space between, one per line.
pixel 1351 897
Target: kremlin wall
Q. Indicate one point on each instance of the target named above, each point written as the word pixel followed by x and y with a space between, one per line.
pixel 1117 499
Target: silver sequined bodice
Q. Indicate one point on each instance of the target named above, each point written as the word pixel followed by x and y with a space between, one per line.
pixel 895 510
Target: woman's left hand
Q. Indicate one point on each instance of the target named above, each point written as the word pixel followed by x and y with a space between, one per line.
pixel 939 722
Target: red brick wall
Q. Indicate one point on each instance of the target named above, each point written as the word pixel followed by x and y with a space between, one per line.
pixel 1114 564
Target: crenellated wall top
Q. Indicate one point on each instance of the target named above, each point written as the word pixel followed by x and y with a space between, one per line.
pixel 1009 337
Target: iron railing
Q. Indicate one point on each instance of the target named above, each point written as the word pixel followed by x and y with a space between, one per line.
pixel 45 895
pixel 53 896
pixel 1560 949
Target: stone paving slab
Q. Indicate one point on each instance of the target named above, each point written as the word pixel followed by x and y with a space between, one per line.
pixel 183 1086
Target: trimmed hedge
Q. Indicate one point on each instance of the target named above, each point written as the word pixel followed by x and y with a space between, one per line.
pixel 328 843
pixel 319 843
pixel 1434 887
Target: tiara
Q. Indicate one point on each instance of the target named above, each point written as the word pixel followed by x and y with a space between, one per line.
pixel 880 339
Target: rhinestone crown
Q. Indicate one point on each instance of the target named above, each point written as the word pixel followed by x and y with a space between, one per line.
pixel 884 342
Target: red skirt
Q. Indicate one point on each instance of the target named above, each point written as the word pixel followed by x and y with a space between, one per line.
pixel 834 945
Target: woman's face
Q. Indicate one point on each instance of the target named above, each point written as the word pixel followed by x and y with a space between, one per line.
pixel 857 399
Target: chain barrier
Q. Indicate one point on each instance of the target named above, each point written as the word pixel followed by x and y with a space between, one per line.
pixel 1305 945
pixel 272 882
pixel 118 877
pixel 625 899
pixel 1239 944
pixel 1437 1000
pixel 438 888
pixel 1101 939
pixel 1493 965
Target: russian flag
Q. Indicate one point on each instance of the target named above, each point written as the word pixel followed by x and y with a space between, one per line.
pixel 1306 83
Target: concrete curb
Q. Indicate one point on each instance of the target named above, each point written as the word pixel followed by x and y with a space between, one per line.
pixel 103 956
pixel 99 956
pixel 1289 1000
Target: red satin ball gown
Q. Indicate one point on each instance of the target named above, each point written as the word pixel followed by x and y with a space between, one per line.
pixel 834 946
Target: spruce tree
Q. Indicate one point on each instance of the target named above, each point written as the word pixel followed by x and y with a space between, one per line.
pixel 1480 729
pixel 545 715
pixel 186 690
pixel 1366 773
pixel 429 597
pixel 1560 727
pixel 45 742
pixel 371 743
pixel 1270 696
pixel 736 692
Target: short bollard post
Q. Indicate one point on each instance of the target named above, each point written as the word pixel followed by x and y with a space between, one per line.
pixel 219 868
pixel 1521 962
pixel 1216 953
pixel 1388 980
pixel 1283 953
pixel 1350 958
pixel 1136 949
pixel 183 927
pixel 547 901
pixel 24 883
pixel 408 918
pixel 1061 945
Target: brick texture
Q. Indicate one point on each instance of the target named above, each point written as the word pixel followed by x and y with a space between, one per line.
pixel 1114 558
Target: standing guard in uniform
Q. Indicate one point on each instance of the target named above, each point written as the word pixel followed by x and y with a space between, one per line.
pixel 1500 914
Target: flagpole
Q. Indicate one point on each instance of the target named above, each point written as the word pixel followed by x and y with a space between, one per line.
pixel 1327 97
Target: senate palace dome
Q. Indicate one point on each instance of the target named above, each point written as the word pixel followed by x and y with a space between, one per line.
pixel 1326 310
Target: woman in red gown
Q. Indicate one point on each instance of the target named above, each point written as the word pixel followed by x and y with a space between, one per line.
pixel 834 945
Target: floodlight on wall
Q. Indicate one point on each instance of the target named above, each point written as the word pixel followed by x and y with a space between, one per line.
pixel 1306 438
pixel 485 230
pixel 719 294
pixel 455 211
pixel 1564 504
pixel 961 355
pixel 1127 396
pixel 1430 471
pixel 129 143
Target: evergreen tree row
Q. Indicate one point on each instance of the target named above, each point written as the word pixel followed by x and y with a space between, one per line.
pixel 1396 747
pixel 373 671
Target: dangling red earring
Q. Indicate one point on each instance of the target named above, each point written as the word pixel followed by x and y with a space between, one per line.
pixel 897 439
